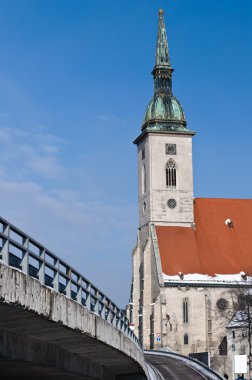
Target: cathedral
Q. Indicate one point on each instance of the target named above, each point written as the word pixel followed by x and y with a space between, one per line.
pixel 193 257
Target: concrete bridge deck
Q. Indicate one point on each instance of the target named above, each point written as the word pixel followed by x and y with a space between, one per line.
pixel 54 322
pixel 42 328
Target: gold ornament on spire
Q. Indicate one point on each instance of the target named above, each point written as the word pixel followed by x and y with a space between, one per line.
pixel 161 12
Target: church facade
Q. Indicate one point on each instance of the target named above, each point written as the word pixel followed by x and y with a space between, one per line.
pixel 193 257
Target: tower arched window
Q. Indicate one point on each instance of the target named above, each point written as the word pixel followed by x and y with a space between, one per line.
pixel 186 339
pixel 143 179
pixel 170 171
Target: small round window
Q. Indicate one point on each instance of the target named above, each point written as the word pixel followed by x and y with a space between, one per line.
pixel 171 203
pixel 222 304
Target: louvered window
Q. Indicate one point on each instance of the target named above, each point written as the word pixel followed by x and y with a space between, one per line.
pixel 171 180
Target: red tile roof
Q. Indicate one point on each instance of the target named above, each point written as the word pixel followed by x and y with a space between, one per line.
pixel 212 247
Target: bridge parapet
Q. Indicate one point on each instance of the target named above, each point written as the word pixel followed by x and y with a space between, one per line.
pixel 53 318
pixel 19 250
pixel 48 330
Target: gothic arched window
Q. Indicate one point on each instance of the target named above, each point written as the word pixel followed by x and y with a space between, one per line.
pixel 185 310
pixel 143 179
pixel 223 346
pixel 186 339
pixel 170 172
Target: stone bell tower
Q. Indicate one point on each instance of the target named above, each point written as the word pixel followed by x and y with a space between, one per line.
pixel 164 150
pixel 165 192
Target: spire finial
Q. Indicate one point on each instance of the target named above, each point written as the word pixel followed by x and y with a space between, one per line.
pixel 162 52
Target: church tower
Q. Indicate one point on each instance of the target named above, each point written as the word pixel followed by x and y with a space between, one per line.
pixel 165 192
pixel 164 150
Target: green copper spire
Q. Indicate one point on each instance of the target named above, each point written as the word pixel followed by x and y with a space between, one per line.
pixel 162 52
pixel 164 112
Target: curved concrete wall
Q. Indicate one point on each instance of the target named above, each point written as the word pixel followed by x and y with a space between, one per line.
pixel 39 312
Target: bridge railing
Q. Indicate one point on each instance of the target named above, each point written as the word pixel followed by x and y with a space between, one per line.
pixel 19 250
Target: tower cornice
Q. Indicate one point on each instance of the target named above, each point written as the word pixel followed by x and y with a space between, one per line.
pixel 174 132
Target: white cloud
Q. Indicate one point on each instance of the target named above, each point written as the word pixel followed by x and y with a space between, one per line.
pixel 29 151
pixel 40 196
pixel 46 167
pixel 50 149
pixel 111 119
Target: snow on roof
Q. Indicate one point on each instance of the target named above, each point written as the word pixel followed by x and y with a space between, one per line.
pixel 206 279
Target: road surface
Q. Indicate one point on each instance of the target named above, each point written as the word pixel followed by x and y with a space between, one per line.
pixel 174 369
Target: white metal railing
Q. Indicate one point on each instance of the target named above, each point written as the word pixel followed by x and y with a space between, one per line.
pixel 21 251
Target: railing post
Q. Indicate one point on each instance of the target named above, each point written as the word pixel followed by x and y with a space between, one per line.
pixel 25 259
pixel 114 322
pixel 103 310
pixel 69 283
pixel 79 290
pixel 41 272
pixel 56 276
pixel 88 300
pixel 5 249
pixel 68 288
pixel 96 307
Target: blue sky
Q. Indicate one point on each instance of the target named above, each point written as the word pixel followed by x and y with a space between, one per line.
pixel 74 84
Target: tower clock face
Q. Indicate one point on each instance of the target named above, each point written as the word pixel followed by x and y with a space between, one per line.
pixel 170 149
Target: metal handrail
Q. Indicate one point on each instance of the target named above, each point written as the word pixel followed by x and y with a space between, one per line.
pixel 21 251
